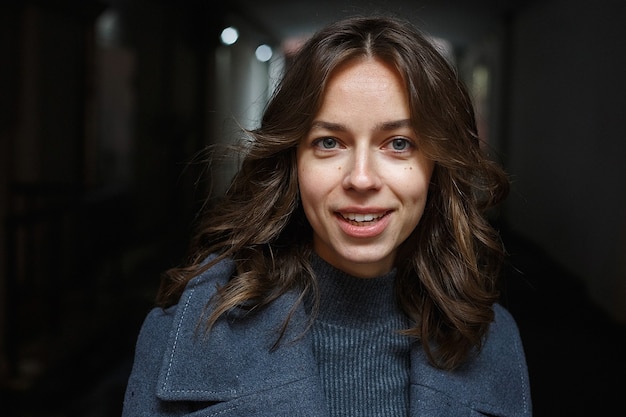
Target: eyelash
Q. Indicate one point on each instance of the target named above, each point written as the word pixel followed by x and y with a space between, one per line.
pixel 320 143
pixel 409 144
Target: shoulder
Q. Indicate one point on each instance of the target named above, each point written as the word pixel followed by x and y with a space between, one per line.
pixel 202 287
pixel 160 326
pixel 502 342
pixel 495 381
pixel 502 362
pixel 158 321
pixel 504 325
pixel 503 351
pixel 217 274
pixel 177 360
pixel 501 366
pixel 198 291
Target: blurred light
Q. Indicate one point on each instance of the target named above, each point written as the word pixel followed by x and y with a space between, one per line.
pixel 229 35
pixel 107 28
pixel 263 53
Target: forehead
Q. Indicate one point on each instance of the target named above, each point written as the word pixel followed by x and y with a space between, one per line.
pixel 364 72
pixel 364 85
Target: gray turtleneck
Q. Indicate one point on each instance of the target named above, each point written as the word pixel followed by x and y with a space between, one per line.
pixel 363 361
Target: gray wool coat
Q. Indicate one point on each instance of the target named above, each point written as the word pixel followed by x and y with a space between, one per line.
pixel 179 370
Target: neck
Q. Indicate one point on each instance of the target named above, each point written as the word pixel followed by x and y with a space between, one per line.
pixel 348 300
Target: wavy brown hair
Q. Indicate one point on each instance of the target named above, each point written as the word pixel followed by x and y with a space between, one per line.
pixel 447 268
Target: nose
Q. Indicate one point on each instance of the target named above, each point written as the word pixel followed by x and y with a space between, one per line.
pixel 363 173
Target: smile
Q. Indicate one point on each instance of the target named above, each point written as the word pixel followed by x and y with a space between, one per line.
pixel 364 225
pixel 358 219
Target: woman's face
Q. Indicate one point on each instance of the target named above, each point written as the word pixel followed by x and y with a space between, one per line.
pixel 362 176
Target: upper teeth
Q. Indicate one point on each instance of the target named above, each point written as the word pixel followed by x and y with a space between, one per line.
pixel 361 217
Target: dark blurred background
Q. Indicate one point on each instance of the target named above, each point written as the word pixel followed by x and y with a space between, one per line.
pixel 106 107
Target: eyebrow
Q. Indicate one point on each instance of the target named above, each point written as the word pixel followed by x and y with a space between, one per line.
pixel 384 126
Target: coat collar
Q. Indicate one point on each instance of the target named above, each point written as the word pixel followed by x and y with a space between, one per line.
pixel 235 360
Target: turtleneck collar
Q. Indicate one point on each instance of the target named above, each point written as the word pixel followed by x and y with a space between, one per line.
pixel 350 301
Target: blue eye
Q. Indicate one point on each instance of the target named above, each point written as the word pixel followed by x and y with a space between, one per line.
pixel 400 144
pixel 327 143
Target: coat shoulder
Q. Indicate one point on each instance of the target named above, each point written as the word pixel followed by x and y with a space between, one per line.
pixel 155 339
pixel 495 380
pixel 502 362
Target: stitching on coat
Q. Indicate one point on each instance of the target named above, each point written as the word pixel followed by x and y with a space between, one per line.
pixel 519 351
pixel 169 365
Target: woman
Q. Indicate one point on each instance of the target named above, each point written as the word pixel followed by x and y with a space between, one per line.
pixel 349 270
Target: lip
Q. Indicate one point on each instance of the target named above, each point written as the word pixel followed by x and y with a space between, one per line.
pixel 365 229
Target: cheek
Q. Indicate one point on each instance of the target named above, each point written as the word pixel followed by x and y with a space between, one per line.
pixel 412 182
pixel 309 188
pixel 422 173
pixel 317 180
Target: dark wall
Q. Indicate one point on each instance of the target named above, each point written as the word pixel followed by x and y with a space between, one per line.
pixel 565 141
pixel 97 195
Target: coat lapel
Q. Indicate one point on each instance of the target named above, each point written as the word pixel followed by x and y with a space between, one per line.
pixel 234 364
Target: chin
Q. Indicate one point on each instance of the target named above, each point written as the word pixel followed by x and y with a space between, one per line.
pixel 368 262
